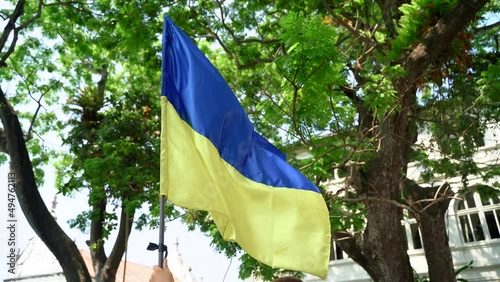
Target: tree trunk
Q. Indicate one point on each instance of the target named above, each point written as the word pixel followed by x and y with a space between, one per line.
pixel 108 271
pixel 3 142
pixel 431 215
pixel 352 246
pixel 96 242
pixel 385 241
pixel 437 250
pixel 386 245
pixel 382 249
pixel 430 208
pixel 32 205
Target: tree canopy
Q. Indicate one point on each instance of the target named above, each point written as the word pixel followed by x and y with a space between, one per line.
pixel 356 84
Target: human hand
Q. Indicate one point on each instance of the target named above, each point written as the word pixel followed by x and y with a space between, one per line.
pixel 161 274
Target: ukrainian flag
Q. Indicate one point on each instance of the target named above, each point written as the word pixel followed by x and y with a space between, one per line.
pixel 212 159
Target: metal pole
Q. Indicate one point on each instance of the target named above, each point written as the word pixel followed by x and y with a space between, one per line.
pixel 162 231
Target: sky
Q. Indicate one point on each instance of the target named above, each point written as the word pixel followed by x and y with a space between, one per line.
pixel 194 246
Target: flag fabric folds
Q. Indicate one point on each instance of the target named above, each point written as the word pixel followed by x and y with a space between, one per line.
pixel 212 159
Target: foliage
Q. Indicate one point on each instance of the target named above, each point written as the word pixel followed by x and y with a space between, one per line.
pixel 321 77
pixel 419 278
pixel 320 70
pixel 31 83
pixel 113 130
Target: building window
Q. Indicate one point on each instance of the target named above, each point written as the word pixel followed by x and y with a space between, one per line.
pixel 479 217
pixel 336 252
pixel 413 236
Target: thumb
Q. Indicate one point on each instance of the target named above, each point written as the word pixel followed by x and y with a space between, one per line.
pixel 165 264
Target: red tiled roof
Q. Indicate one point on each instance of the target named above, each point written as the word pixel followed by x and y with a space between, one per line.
pixel 134 272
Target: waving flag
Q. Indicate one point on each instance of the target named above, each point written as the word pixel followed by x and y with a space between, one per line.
pixel 212 159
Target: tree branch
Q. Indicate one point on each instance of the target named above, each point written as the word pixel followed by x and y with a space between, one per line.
pixel 391 13
pixel 239 42
pixel 96 242
pixel 440 36
pixel 11 27
pixel 3 142
pixel 422 199
pixel 486 27
pixel 114 259
pixel 32 205
pixel 352 246
pixel 357 34
pixel 58 3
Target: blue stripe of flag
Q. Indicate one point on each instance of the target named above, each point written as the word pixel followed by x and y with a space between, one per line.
pixel 203 99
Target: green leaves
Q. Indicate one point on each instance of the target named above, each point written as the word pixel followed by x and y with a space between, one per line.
pixel 308 42
pixel 250 267
pixel 320 80
pixel 3 158
pixel 489 87
pixel 416 20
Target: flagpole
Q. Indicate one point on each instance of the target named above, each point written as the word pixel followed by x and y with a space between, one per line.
pixel 162 231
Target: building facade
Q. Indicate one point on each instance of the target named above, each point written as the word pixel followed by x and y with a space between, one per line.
pixel 37 264
pixel 473 224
